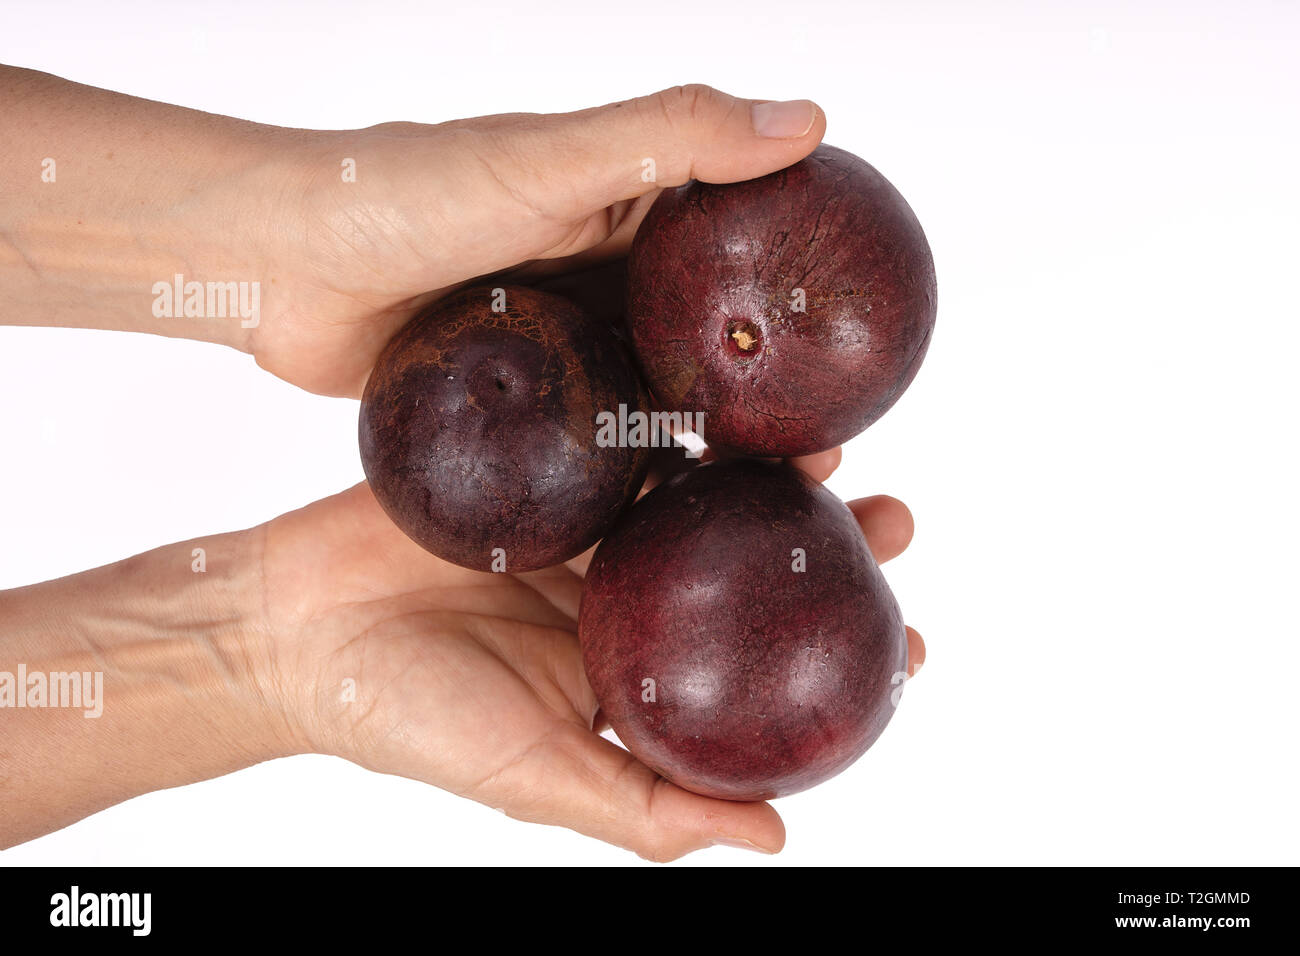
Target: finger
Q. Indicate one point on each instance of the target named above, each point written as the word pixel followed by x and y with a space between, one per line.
pixel 582 562
pixel 569 165
pixel 820 466
pixel 887 524
pixel 558 585
pixel 579 780
pixel 915 652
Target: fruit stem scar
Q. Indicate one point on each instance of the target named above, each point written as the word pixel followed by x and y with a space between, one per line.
pixel 744 335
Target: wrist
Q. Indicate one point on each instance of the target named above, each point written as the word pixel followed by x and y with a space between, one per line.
pixel 172 684
pixel 126 195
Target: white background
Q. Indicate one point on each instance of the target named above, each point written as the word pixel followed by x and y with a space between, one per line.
pixel 1100 450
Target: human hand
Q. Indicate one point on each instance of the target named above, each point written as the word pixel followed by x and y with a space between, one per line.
pixel 383 654
pixel 432 207
pixel 149 197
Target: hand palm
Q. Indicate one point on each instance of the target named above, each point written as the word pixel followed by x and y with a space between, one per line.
pixel 468 681
pixel 455 674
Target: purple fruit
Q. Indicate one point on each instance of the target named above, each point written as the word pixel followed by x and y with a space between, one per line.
pixel 478 429
pixel 793 310
pixel 738 634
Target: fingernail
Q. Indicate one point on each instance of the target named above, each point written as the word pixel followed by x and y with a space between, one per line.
pixel 783 120
pixel 740 845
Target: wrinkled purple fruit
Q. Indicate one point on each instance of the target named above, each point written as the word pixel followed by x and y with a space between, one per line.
pixel 720 664
pixel 478 429
pixel 793 310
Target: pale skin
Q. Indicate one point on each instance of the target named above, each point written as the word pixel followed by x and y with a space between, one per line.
pixel 471 682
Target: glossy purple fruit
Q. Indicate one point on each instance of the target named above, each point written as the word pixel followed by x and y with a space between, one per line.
pixel 738 634
pixel 793 310
pixel 479 433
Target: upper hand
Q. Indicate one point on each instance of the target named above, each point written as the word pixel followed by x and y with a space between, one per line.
pixel 432 207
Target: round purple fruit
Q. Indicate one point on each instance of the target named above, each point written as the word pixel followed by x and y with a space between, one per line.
pixel 792 310
pixel 738 633
pixel 479 431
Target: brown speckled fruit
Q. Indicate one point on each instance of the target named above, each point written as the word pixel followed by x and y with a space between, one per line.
pixel 478 429
pixel 793 310
pixel 738 634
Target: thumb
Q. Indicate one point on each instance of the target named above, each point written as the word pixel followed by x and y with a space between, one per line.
pixel 569 165
pixel 579 780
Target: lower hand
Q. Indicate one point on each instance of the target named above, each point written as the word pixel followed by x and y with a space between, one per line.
pixel 391 658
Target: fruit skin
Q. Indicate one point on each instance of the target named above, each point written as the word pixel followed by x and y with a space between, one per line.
pixel 767 680
pixel 713 269
pixel 478 429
